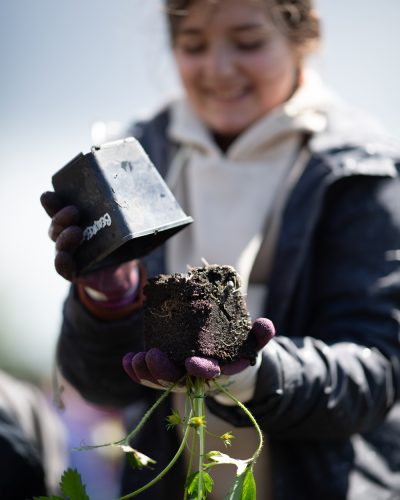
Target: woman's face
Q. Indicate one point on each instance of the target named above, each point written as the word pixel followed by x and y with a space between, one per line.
pixel 234 64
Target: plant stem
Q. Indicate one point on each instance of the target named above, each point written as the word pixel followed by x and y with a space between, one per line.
pixel 188 408
pixel 126 440
pixel 190 464
pixel 248 413
pixel 146 416
pixel 199 412
pixel 166 469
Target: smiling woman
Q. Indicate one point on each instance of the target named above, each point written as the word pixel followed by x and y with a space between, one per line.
pixel 299 193
pixel 236 62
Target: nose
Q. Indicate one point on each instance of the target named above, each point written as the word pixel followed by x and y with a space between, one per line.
pixel 220 61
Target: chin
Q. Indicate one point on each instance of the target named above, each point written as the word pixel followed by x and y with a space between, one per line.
pixel 229 129
pixel 229 125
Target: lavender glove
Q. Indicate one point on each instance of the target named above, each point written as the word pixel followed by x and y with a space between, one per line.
pixel 115 284
pixel 154 369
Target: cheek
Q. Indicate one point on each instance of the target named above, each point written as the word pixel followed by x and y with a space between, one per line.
pixel 277 60
pixel 273 67
pixel 188 70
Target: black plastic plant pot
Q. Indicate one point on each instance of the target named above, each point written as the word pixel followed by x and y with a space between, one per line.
pixel 126 208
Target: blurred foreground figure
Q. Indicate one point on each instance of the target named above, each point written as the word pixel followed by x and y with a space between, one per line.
pixel 32 442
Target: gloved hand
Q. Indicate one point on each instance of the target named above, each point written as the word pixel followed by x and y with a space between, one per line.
pixel 154 369
pixel 115 285
pixel 64 231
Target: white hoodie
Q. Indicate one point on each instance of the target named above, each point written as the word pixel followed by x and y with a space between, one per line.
pixel 229 195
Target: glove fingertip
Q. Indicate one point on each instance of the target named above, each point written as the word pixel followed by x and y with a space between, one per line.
pixel 141 369
pixel 69 239
pixel 127 358
pixel 264 330
pixel 161 367
pixel 127 365
pixel 51 202
pixel 68 215
pixel 202 367
pixel 65 265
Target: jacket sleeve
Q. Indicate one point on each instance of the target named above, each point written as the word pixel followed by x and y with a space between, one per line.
pixel 90 352
pixel 341 375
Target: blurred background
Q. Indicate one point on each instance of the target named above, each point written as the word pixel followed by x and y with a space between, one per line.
pixel 69 67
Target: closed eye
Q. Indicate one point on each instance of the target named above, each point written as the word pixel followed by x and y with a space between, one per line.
pixel 193 49
pixel 249 46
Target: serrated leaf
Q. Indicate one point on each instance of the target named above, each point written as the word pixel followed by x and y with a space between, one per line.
pixel 192 485
pixel 244 487
pixel 71 485
pixel 189 485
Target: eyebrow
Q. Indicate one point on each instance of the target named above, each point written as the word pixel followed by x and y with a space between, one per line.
pixel 236 29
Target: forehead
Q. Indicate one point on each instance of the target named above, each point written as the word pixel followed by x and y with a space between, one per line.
pixel 228 14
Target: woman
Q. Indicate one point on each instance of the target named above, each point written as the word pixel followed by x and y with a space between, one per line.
pixel 258 146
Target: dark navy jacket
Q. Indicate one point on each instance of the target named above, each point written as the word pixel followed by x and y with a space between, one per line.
pixel 329 384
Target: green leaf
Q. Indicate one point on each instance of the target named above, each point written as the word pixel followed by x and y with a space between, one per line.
pixel 71 485
pixel 190 480
pixel 244 487
pixel 192 485
pixel 249 486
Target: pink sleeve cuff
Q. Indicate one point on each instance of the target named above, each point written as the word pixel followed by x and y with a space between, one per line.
pixel 116 309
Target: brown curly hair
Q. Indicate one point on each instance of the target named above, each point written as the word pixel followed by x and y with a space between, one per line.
pixel 295 18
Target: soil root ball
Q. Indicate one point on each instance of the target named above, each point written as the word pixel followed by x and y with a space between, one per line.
pixel 201 313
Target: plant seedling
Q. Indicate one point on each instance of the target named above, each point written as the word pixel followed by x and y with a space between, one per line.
pixel 207 298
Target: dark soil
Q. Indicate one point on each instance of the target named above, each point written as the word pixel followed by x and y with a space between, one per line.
pixel 201 313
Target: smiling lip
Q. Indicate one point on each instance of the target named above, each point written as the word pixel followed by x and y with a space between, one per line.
pixel 227 96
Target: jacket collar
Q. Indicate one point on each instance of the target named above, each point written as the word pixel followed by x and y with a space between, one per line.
pixel 355 144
